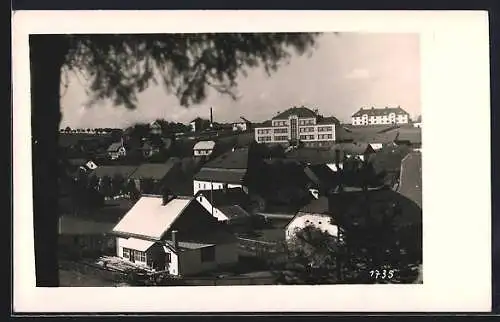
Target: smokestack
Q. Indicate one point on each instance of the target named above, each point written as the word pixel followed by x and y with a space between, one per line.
pixel 211 118
pixel 175 242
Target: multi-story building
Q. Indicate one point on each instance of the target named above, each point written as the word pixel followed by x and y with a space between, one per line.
pixel 298 124
pixel 376 116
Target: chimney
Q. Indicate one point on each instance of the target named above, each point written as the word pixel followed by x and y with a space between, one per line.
pixel 175 242
pixel 167 196
pixel 211 118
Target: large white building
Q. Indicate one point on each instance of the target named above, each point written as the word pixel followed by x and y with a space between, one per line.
pixel 298 124
pixel 375 116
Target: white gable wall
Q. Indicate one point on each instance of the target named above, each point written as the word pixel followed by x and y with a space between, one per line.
pixel 333 166
pixel 173 266
pixel 217 213
pixel 320 221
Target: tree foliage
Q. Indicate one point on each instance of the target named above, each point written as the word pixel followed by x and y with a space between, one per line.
pixel 121 66
pixel 312 258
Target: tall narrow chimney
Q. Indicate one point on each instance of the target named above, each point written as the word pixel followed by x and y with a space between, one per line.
pixel 211 118
pixel 175 242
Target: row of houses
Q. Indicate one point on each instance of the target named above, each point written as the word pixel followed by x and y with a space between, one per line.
pixel 189 235
pixel 191 231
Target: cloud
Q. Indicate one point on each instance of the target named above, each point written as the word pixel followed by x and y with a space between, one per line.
pixel 358 73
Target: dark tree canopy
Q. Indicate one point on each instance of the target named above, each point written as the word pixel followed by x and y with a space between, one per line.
pixel 120 66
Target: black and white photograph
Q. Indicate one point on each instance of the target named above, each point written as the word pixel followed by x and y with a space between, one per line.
pixel 223 158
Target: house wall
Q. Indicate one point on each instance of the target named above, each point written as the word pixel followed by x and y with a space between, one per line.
pixel 173 266
pixel 202 152
pixel 308 131
pixel 317 220
pixel 205 185
pixel 226 254
pixel 376 146
pixel 190 261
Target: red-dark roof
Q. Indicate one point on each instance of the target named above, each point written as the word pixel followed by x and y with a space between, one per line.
pixel 301 112
pixel 237 159
pixel 317 206
pixel 410 184
pixel 328 120
pixel 379 111
pixel 227 197
pixel 234 176
pixel 156 171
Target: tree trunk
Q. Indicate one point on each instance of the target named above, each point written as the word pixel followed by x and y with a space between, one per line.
pixel 47 53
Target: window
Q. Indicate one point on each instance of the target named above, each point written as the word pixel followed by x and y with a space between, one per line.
pixel 168 257
pixel 208 254
pixel 126 253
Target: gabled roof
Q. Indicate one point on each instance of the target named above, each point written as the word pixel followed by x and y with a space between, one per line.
pixel 354 148
pixel 312 155
pixel 227 197
pixel 204 145
pixel 237 159
pixel 199 119
pixel 234 176
pixel 114 147
pixel 234 212
pixel 317 206
pixel 410 184
pixel 379 111
pixel 264 124
pixel 149 218
pixel 321 175
pixel 111 170
pixel 301 112
pixel 156 171
pixel 327 120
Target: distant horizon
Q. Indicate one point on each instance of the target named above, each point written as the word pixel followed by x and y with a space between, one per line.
pixel 412 118
pixel 345 72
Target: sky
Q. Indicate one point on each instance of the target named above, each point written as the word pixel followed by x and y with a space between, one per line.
pixel 346 71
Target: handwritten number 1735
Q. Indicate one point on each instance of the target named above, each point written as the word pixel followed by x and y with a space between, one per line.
pixel 382 274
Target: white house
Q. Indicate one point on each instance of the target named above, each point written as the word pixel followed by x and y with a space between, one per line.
pixel 116 150
pixel 203 148
pixel 227 205
pixel 378 116
pixel 315 214
pixel 174 234
pixel 155 128
pixel 226 171
pixel 242 125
